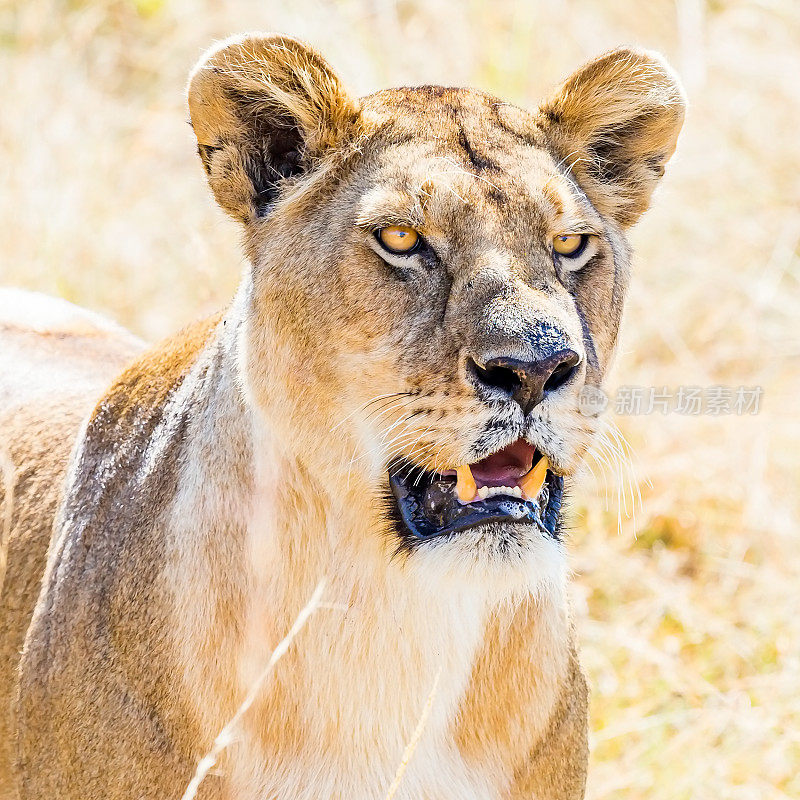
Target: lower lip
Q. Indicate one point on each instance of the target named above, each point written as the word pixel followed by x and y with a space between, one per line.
pixel 498 509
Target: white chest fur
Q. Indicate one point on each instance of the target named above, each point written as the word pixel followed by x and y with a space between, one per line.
pixel 361 679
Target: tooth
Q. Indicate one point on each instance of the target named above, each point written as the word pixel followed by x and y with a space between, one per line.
pixel 517 491
pixel 532 482
pixel 465 484
pixel 483 492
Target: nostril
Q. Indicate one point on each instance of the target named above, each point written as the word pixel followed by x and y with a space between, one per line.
pixel 527 382
pixel 561 374
pixel 497 377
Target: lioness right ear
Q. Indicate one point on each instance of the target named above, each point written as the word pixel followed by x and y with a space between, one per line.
pixel 614 125
pixel 265 109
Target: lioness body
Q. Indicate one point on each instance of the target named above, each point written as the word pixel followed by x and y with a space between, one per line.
pixel 225 472
pixel 486 715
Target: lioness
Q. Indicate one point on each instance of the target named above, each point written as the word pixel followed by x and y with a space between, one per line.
pixel 390 402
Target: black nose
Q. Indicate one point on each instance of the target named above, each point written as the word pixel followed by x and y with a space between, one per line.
pixel 527 382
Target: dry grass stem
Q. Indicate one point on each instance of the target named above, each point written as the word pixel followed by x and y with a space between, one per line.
pixel 226 735
pixel 408 753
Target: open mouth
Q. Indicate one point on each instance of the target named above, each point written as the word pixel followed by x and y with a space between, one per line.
pixel 514 484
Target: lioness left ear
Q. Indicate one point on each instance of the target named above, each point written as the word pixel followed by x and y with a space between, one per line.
pixel 614 124
pixel 265 109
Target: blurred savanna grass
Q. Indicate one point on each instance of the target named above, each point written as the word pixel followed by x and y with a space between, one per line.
pixel 688 608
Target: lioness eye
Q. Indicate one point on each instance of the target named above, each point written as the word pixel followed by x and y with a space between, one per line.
pixel 570 245
pixel 399 239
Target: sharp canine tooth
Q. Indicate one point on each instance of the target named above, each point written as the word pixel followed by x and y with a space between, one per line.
pixel 465 484
pixel 532 482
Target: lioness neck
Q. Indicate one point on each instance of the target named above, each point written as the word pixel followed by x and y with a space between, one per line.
pixel 250 530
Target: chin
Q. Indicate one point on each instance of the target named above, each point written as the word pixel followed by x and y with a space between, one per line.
pixel 498 544
pixel 500 561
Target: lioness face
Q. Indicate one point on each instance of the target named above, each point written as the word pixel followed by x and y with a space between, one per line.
pixel 436 274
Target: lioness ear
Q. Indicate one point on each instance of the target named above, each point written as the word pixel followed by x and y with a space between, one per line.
pixel 615 123
pixel 264 108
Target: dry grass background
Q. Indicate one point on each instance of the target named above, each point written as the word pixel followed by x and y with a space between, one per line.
pixel 689 614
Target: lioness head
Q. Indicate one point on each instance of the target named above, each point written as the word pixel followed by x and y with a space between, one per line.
pixel 436 275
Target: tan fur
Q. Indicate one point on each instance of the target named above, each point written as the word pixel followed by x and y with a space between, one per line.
pixel 225 472
pixel 54 360
pixel 616 124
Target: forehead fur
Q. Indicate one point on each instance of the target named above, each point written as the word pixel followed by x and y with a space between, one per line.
pixel 445 112
pixel 459 152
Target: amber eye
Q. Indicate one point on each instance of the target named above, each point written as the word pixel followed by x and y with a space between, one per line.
pixel 570 245
pixel 399 239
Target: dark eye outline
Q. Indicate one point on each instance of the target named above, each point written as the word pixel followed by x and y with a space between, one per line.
pixel 578 251
pixel 413 250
